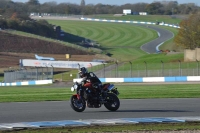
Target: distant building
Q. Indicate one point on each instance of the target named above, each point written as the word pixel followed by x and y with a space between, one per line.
pixel 142 13
pixel 126 11
pixel 129 12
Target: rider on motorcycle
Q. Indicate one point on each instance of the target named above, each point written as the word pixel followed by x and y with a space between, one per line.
pixel 89 79
pixel 92 84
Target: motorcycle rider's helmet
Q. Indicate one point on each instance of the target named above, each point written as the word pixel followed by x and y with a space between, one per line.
pixel 82 72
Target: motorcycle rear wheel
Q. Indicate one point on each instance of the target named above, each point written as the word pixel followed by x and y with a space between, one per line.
pixel 112 103
pixel 76 104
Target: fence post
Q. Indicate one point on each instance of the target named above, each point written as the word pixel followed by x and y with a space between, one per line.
pixel 197 67
pixel 179 68
pixel 131 68
pixel 25 78
pixel 47 72
pixel 104 70
pixel 145 67
pixel 162 68
pixel 42 73
pixel 36 73
pixel 52 72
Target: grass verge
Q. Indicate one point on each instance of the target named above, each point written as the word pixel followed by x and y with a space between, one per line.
pixel 48 93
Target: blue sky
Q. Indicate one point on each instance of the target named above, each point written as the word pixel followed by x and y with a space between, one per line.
pixel 112 2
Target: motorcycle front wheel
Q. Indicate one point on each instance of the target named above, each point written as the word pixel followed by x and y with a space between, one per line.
pixel 76 104
pixel 112 102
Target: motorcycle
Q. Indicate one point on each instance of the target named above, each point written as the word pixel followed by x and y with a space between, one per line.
pixel 94 98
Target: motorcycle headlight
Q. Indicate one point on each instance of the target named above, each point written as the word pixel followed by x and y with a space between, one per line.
pixel 73 88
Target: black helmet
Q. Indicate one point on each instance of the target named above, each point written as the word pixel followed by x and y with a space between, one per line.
pixel 82 71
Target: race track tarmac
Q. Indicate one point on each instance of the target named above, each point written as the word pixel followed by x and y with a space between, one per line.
pixel 61 110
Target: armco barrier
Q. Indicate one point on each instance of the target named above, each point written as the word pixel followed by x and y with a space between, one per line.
pixel 34 82
pixel 133 22
pixel 149 79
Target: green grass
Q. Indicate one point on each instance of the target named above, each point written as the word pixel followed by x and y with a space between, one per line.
pixel 154 62
pixel 159 91
pixel 34 93
pixel 48 93
pixel 120 39
pixel 124 40
pixel 1 78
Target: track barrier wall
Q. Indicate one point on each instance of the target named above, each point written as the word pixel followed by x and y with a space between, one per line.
pixel 26 83
pixel 149 79
pixel 115 80
pixel 125 21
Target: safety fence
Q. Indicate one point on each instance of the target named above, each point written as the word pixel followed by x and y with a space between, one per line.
pixel 118 71
pixel 129 69
pixel 29 74
pixel 132 70
pixel 26 83
pixel 148 73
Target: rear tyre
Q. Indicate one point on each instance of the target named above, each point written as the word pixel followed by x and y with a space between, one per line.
pixel 112 102
pixel 76 104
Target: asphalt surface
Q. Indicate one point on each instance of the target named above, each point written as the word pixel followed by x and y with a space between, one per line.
pixel 61 110
pixel 164 35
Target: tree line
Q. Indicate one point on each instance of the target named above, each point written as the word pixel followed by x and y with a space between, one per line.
pixel 15 15
pixel 7 7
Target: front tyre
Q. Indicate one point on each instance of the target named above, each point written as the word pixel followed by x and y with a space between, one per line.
pixel 76 104
pixel 112 102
